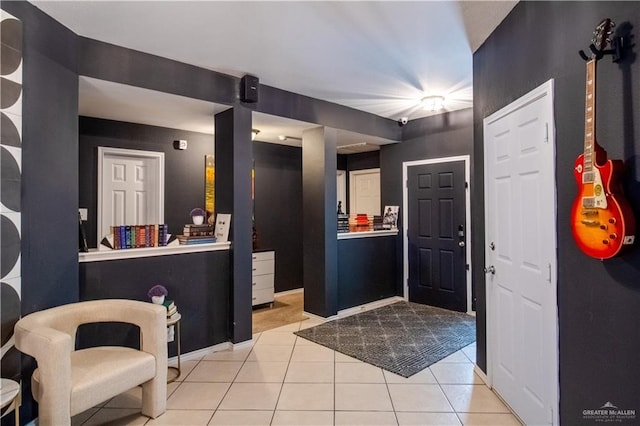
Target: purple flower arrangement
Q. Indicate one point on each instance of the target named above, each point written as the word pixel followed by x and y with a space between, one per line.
pixel 157 293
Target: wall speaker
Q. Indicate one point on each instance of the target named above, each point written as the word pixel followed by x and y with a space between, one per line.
pixel 249 85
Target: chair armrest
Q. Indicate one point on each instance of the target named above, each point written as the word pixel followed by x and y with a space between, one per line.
pixel 42 342
pixel 51 349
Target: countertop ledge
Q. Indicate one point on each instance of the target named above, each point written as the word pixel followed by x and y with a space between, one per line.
pixel 367 234
pixel 95 255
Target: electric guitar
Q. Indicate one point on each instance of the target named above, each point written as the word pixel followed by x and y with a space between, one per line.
pixel 603 223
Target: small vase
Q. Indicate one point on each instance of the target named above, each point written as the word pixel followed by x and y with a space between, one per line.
pixel 198 220
pixel 158 300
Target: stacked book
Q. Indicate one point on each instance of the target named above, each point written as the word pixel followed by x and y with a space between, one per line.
pixel 377 223
pixel 343 223
pixel 361 222
pixel 138 236
pixel 172 309
pixel 197 234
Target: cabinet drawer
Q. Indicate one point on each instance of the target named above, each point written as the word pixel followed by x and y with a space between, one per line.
pixel 263 267
pixel 264 295
pixel 262 281
pixel 264 255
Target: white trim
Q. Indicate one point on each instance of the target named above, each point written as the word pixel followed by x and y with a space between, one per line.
pixel 352 187
pixel 153 155
pixel 318 317
pixel 367 234
pixel 483 377
pixel 100 255
pixel 199 353
pixel 357 309
pixel 405 218
pixel 287 292
pixel 245 344
pixel 544 90
pixel 369 306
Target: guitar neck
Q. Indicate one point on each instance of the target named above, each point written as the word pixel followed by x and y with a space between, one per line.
pixel 590 116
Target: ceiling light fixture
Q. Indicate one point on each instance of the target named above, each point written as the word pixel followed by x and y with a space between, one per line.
pixel 432 103
pixel 254 133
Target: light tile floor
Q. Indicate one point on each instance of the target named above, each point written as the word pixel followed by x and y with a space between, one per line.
pixel 286 380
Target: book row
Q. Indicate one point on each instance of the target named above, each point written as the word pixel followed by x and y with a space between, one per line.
pixel 138 236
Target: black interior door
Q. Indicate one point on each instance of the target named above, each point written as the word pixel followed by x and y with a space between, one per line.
pixel 437 235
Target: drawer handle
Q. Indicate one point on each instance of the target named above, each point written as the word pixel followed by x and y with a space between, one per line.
pixel 254 298
pixel 253 269
pixel 253 283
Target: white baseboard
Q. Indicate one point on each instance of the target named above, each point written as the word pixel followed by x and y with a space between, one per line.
pixel 318 317
pixel 284 293
pixel 357 309
pixel 482 375
pixel 197 354
pixel 242 345
pixel 368 306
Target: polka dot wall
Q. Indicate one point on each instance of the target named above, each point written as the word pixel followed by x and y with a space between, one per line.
pixel 10 185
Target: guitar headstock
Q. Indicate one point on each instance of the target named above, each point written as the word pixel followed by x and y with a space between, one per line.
pixel 602 34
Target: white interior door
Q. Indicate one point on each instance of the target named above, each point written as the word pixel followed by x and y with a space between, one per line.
pixel 130 188
pixel 520 209
pixel 364 191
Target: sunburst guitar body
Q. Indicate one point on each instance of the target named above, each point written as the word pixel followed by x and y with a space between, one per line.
pixel 602 221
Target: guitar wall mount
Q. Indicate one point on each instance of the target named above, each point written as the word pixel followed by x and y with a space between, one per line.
pixel 619 45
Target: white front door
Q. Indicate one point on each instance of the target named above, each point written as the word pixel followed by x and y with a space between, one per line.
pixel 520 209
pixel 130 190
pixel 364 192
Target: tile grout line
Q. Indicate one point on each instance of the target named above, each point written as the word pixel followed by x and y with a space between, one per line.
pixel 334 387
pixel 230 384
pixel 275 408
pixel 393 407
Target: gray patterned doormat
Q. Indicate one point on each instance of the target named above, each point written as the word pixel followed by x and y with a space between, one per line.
pixel 403 338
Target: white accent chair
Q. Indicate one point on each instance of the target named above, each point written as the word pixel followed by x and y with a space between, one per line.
pixel 69 381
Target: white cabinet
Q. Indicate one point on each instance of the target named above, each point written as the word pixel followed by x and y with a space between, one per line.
pixel 263 273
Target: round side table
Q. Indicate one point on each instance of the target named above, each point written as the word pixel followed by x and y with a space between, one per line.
pixel 174 372
pixel 10 396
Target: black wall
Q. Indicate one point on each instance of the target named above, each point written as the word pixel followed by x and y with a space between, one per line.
pixel 359 161
pixel 184 170
pixel 367 270
pixel 598 302
pixel 198 283
pixel 443 135
pixel 278 209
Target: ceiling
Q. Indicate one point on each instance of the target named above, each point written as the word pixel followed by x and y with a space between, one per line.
pixel 381 57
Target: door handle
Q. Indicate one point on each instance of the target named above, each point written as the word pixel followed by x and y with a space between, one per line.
pixel 461 242
pixel 490 269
